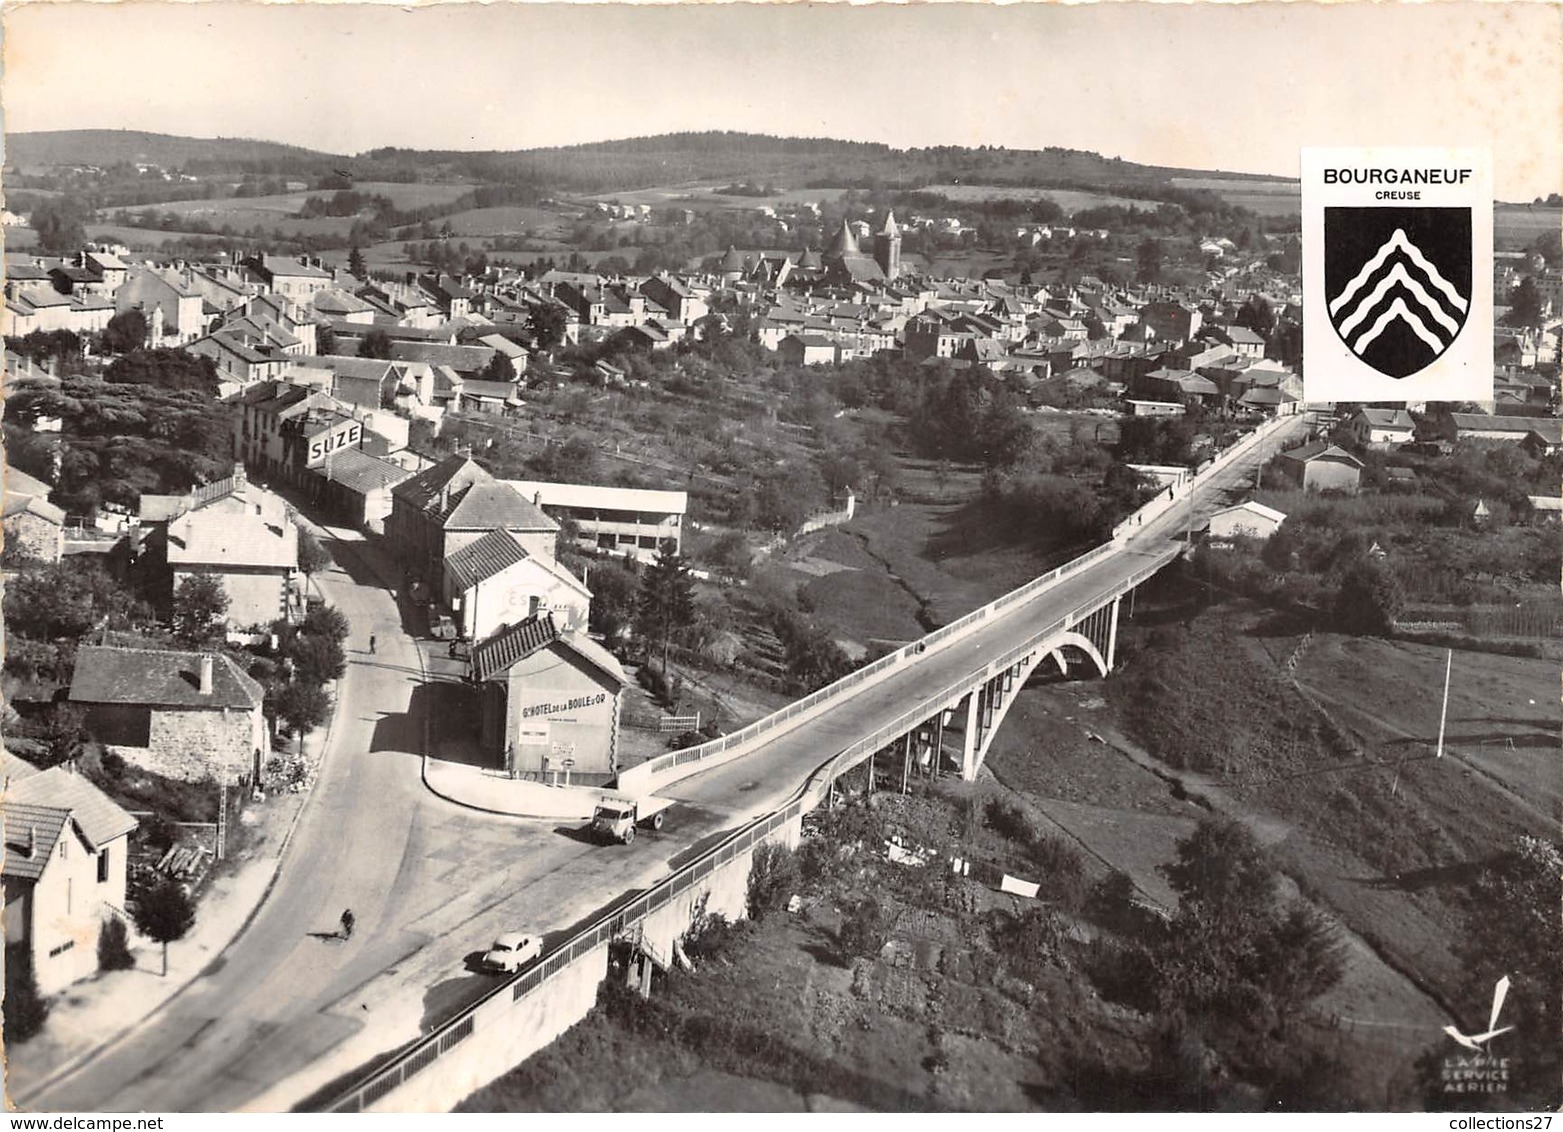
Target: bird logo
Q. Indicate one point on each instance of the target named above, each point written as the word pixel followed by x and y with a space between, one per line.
pixel 1477 1041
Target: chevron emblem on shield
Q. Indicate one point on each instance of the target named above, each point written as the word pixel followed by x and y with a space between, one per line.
pixel 1398 283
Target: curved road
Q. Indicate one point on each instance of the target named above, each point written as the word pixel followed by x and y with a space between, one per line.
pixel 431 883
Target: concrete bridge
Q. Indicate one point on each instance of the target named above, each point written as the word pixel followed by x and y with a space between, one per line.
pixel 938 701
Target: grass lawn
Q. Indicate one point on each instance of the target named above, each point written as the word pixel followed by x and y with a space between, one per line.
pixel 509 220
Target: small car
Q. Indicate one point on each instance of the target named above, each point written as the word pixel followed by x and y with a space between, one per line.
pixel 510 953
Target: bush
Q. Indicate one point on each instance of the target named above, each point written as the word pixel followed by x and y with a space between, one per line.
pixel 114 946
pixel 713 936
pixel 863 929
pixel 1063 874
pixel 25 1008
pixel 773 878
pixel 1111 899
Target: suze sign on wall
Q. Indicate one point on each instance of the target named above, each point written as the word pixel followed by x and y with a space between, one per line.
pixel 327 443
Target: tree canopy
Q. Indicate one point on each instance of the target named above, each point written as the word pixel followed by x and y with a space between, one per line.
pixel 164 913
pixel 166 369
pixel 666 604
pixel 120 440
pixel 125 332
pixel 200 604
pixel 375 344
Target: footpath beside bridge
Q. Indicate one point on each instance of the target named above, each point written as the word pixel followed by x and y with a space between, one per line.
pixel 939 699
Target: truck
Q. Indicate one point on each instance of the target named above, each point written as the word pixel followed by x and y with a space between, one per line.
pixel 616 816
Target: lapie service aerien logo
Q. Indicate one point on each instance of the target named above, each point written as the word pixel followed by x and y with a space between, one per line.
pixel 1398 283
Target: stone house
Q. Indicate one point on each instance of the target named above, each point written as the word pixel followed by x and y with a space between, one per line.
pixel 185 715
pixel 1382 427
pixel 33 525
pixel 1246 520
pixel 66 848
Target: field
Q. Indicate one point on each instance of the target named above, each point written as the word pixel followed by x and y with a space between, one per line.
pixel 1268 198
pixel 701 196
pixel 248 211
pixel 277 212
pixel 137 239
pixel 1070 200
pixel 510 220
pixel 1517 225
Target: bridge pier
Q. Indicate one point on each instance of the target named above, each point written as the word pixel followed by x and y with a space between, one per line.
pixel 1112 634
pixel 969 745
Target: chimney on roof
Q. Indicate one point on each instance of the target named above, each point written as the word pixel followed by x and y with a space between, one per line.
pixel 206 675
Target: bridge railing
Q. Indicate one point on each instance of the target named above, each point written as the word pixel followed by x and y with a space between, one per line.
pixel 1164 503
pixel 615 923
pixel 849 756
pixel 643 775
pixel 609 926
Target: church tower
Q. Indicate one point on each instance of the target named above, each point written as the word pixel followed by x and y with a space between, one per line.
pixel 887 248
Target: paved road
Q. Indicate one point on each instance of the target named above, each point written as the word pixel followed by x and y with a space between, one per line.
pixel 431 883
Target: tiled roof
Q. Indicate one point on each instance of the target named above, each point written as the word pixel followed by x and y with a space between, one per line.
pixel 452 473
pixel 1256 509
pixel 1321 451
pixel 358 471
pixel 1550 429
pixel 481 560
pixel 24 493
pixel 1481 422
pixel 95 813
pixel 501 390
pixel 484 506
pixel 506 647
pixel 226 539
pixel 462 359
pixel 281 265
pixel 107 674
pixel 31 833
pixel 472 499
pixel 1387 418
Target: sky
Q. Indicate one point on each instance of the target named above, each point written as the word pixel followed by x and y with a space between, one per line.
pixel 1236 87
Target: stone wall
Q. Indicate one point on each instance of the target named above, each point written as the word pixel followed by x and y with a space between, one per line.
pixel 193 745
pixel 35 536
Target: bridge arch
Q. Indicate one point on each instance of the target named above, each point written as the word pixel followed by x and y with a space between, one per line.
pixel 1081 642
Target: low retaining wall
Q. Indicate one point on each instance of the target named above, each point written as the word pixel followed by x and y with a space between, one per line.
pixel 511 1031
pixel 527 1011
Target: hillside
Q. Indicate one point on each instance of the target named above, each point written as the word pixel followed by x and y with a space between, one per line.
pixel 632 163
pixel 113 147
pixel 798 162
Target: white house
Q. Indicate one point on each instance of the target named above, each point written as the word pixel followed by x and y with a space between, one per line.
pixel 1382 426
pixel 620 520
pixel 65 856
pixel 1246 520
pixel 496 582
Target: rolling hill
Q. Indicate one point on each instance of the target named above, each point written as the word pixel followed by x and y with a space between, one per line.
pixel 112 147
pixel 630 164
